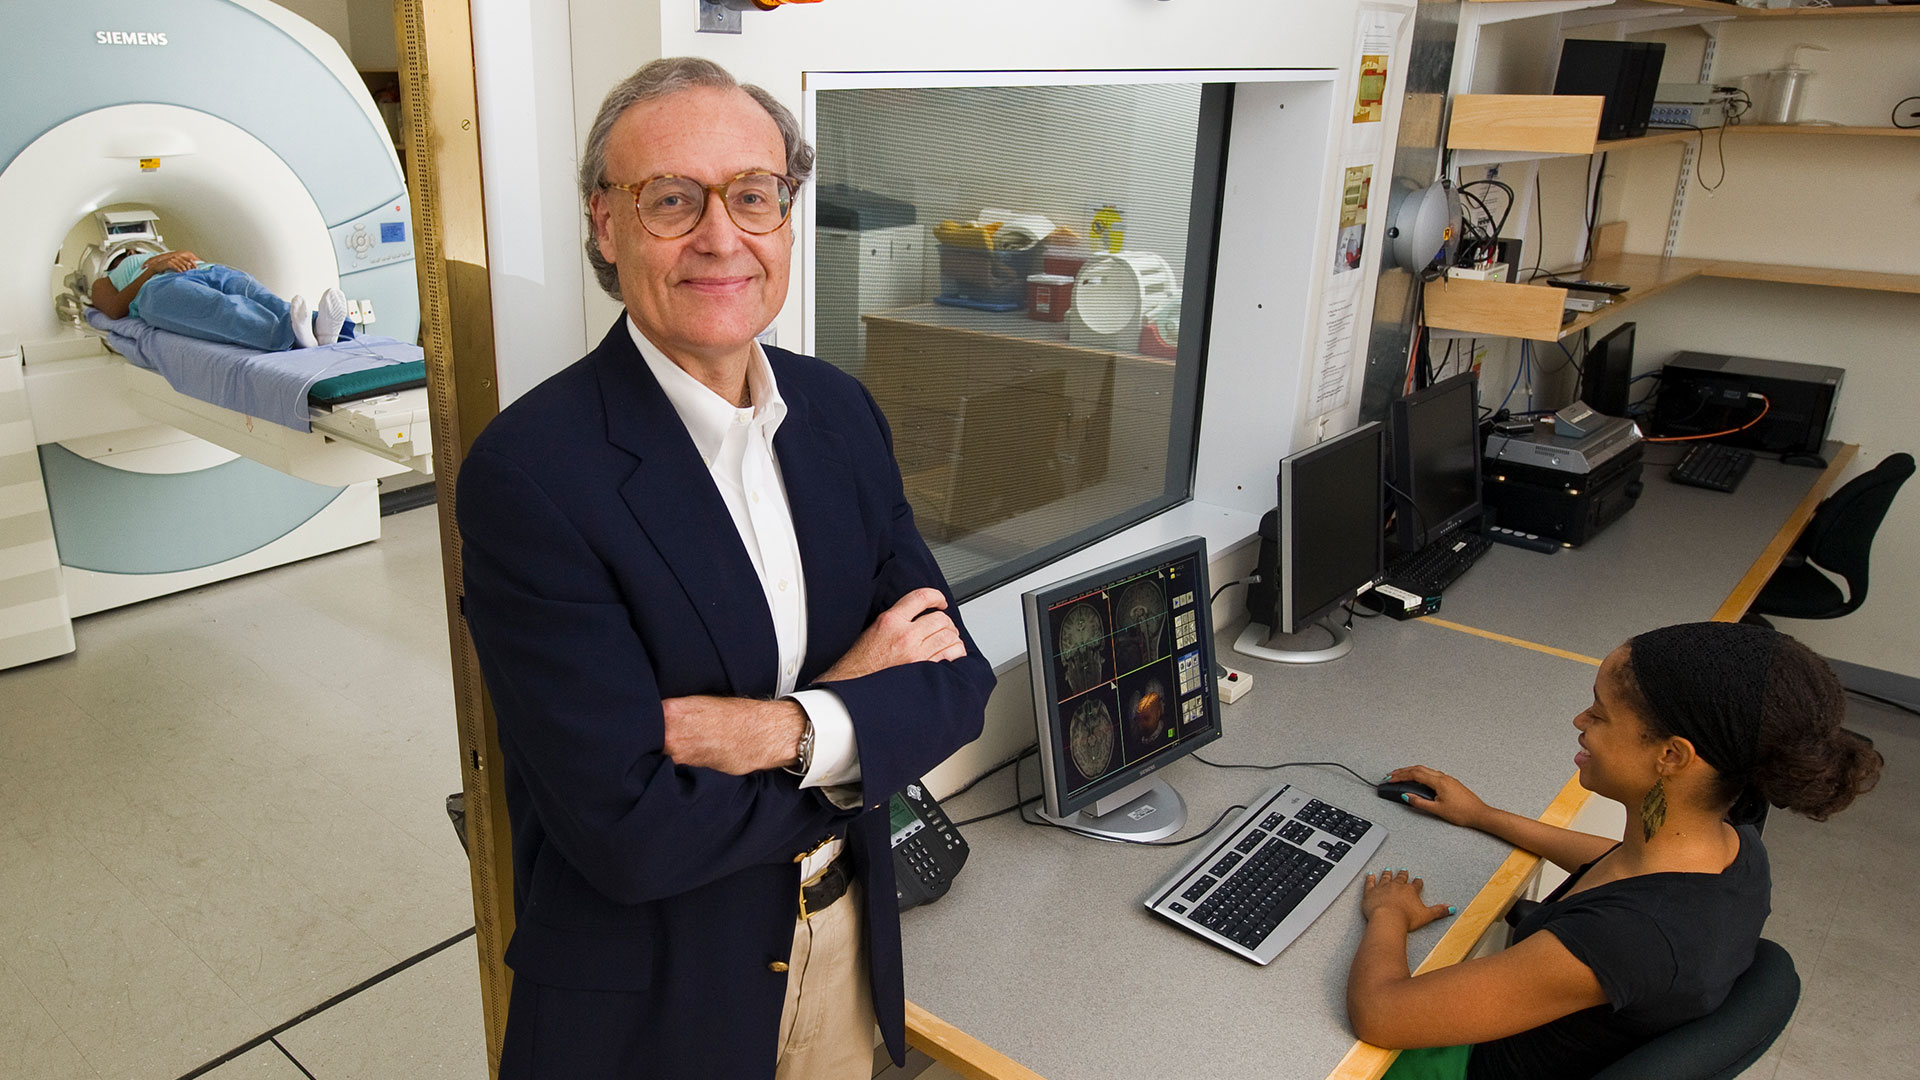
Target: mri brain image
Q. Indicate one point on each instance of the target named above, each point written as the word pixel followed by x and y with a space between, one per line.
pixel 1091 738
pixel 1142 615
pixel 1147 710
pixel 1082 640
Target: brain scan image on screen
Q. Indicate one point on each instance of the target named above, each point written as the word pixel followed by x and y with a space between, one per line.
pixel 1147 711
pixel 1091 738
pixel 1142 620
pixel 1082 640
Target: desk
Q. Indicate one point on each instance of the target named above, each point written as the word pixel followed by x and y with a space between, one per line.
pixel 1043 952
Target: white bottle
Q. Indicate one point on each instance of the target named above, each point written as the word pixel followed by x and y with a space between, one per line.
pixel 1787 88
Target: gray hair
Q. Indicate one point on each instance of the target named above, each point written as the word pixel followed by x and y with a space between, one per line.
pixel 661 78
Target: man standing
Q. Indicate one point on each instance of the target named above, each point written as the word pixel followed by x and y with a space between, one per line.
pixel 713 638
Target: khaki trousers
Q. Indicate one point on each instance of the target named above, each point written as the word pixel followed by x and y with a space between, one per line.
pixel 827 1025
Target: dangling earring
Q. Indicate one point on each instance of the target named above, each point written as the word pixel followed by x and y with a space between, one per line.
pixel 1653 808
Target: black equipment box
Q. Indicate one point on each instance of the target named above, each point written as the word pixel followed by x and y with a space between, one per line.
pixel 1701 393
pixel 1563 487
pixel 1625 73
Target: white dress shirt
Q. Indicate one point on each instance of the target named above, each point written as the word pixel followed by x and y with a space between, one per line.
pixel 737 446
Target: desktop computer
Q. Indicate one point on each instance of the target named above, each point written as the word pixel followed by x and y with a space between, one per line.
pixel 1705 393
pixel 1122 662
pixel 1320 546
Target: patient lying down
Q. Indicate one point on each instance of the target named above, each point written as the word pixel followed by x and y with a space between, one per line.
pixel 175 291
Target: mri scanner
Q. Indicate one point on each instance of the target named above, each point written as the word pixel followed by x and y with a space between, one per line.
pixel 242 133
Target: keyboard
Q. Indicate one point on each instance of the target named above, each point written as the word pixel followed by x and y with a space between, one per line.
pixel 1715 466
pixel 1430 570
pixel 1264 882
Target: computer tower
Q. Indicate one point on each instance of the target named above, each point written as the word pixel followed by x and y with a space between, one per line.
pixel 1626 73
pixel 1705 393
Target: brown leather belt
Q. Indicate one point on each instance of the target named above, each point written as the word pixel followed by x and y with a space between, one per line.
pixel 825 890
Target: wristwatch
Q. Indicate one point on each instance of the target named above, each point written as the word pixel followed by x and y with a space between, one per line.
pixel 803 761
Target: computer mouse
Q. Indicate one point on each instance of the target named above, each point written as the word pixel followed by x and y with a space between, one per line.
pixel 1393 789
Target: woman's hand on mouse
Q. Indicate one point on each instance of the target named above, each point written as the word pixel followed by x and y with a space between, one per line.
pixel 1452 800
pixel 1392 892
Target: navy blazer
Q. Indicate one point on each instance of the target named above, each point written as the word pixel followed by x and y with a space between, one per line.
pixel 603 574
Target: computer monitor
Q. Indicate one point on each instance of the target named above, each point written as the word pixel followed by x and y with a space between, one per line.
pixel 1122 661
pixel 1607 371
pixel 1436 461
pixel 1323 543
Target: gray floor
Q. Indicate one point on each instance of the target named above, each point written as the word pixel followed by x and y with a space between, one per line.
pixel 225 810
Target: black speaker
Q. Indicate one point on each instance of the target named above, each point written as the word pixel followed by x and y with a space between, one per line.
pixel 1626 73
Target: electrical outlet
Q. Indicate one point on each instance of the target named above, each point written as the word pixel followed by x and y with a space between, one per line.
pixel 718 17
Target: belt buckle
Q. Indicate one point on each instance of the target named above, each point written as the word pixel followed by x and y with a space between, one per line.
pixel 806 915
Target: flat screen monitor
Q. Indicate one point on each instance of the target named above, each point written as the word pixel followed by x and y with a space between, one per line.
pixel 1607 371
pixel 1323 543
pixel 1122 661
pixel 1436 461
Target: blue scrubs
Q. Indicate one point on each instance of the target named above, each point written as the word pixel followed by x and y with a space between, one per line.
pixel 210 302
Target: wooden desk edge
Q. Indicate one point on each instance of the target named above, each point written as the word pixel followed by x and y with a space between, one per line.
pixel 959 1051
pixel 1755 578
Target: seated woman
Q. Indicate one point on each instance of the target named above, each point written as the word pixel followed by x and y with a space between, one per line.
pixel 175 291
pixel 1650 932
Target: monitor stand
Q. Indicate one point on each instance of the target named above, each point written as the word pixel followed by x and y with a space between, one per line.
pixel 1318 643
pixel 1146 809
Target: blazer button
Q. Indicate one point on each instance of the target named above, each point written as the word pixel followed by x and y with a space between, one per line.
pixel 777 967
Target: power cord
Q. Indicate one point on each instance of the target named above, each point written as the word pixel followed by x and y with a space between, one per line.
pixel 1289 765
pixel 1021 801
pixel 1766 406
pixel 1914 116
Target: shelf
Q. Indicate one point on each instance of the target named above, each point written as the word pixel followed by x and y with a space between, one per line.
pixel 1525 123
pixel 1734 11
pixel 1498 309
pixel 1688 134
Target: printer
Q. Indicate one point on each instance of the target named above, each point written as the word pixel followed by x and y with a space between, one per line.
pixel 1569 477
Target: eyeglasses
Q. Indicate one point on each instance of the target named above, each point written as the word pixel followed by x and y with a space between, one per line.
pixel 671 206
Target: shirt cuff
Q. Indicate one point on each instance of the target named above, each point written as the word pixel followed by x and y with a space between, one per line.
pixel 836 760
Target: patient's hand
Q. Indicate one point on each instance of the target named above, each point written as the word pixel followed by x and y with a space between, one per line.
pixel 914 629
pixel 175 261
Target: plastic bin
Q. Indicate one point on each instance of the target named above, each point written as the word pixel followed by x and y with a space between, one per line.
pixel 985 280
pixel 1049 296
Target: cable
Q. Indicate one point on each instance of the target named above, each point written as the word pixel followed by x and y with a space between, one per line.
pixel 1419 519
pixel 1699 175
pixel 1288 765
pixel 997 813
pixel 1766 405
pixel 1897 106
pixel 1231 584
pixel 1022 755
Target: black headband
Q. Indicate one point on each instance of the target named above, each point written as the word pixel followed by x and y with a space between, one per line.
pixel 1707 683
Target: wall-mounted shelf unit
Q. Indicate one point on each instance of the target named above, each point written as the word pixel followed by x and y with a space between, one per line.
pixel 1652 9
pixel 1486 129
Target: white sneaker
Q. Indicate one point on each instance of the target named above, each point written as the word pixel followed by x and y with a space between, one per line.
pixel 329 317
pixel 302 317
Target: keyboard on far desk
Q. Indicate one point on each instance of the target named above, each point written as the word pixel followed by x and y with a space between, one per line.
pixel 1430 570
pixel 1258 887
pixel 1715 466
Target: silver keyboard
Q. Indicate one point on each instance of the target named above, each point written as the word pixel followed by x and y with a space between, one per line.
pixel 1262 884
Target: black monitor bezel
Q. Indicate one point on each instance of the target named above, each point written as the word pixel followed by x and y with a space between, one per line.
pixel 1041 647
pixel 1290 621
pixel 1411 531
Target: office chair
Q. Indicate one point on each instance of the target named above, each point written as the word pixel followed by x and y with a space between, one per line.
pixel 1721 1044
pixel 1837 540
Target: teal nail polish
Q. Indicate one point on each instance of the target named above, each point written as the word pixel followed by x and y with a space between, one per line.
pixel 1451 910
pixel 1408 799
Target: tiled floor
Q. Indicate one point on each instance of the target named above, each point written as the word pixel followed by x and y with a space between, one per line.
pixel 225 809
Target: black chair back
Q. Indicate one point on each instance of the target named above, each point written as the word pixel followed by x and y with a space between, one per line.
pixel 1721 1044
pixel 1839 539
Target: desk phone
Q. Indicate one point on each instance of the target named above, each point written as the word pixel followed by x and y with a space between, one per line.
pixel 927 850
